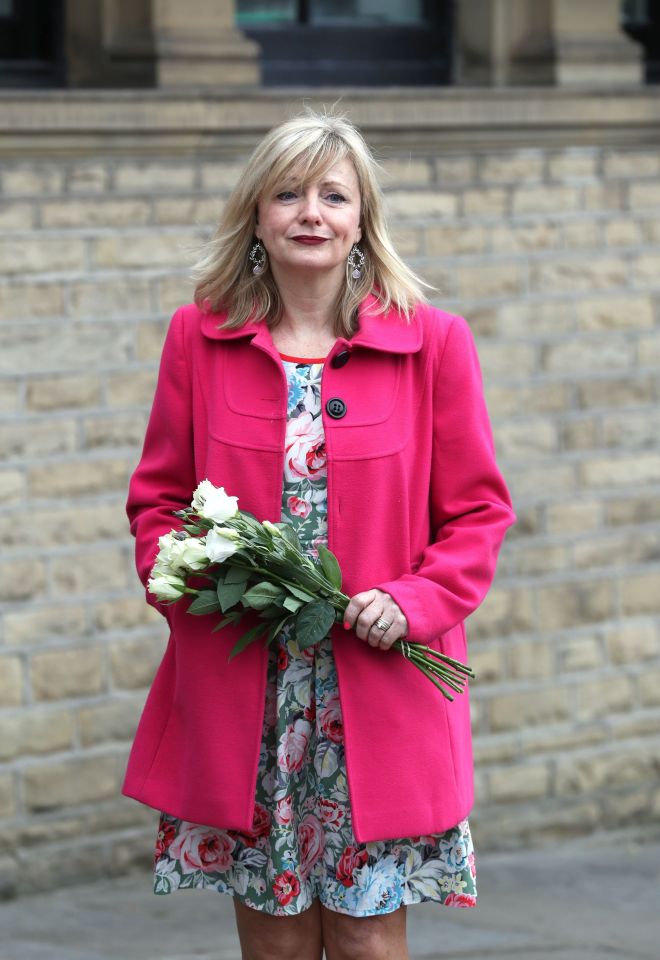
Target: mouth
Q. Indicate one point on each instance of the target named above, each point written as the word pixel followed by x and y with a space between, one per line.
pixel 309 240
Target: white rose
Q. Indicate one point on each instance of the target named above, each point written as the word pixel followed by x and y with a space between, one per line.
pixel 191 554
pixel 218 505
pixel 221 544
pixel 167 546
pixel 166 587
pixel 200 495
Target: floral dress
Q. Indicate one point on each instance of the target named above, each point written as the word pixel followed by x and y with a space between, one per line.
pixel 301 844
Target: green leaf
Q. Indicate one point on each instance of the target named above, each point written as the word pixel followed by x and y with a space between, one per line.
pixel 237 574
pixel 290 534
pixel 252 634
pixel 261 595
pixel 275 628
pixel 301 594
pixel 292 604
pixel 232 617
pixel 193 528
pixel 330 566
pixel 206 601
pixel 229 594
pixel 313 623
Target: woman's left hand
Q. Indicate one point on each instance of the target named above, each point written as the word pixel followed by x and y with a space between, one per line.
pixel 365 608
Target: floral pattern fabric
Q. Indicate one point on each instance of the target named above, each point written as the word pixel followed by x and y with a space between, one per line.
pixel 301 844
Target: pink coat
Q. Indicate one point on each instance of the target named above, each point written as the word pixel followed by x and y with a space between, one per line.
pixel 416 507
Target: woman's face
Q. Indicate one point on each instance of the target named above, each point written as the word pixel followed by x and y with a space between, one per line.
pixel 312 228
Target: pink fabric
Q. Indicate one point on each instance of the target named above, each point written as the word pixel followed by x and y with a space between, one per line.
pixel 416 506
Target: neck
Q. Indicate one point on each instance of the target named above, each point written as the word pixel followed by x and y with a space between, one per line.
pixel 309 301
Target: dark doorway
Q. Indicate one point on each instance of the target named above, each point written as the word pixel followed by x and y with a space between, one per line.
pixel 351 42
pixel 31 43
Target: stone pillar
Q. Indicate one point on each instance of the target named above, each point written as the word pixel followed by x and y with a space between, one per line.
pixel 197 44
pixel 504 42
pixel 109 44
pixel 591 49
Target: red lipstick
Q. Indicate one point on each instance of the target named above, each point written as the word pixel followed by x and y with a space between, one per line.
pixel 310 240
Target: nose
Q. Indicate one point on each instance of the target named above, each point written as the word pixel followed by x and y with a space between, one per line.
pixel 310 209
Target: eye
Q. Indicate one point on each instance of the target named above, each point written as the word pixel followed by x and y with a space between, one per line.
pixel 285 195
pixel 336 197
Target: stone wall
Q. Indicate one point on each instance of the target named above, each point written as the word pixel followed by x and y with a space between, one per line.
pixel 553 255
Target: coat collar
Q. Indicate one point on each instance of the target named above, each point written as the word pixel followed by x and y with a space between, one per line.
pixel 377 331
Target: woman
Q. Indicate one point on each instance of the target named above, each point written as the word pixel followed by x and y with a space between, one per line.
pixel 323 790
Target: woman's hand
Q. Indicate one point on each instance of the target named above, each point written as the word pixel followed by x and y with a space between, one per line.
pixel 365 608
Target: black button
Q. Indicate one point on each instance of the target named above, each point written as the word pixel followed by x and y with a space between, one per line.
pixel 340 358
pixel 336 408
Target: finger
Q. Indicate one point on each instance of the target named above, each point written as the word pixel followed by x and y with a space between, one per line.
pixel 355 606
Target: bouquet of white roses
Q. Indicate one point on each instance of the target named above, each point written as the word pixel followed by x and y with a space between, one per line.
pixel 252 565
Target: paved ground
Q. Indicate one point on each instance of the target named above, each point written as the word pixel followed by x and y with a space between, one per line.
pixel 593 899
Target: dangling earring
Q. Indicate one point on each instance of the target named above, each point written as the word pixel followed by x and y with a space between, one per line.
pixel 258 258
pixel 356 261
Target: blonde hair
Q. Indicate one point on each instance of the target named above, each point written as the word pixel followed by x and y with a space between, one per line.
pixel 305 146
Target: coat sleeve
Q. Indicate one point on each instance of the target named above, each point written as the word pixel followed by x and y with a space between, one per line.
pixel 164 479
pixel 469 503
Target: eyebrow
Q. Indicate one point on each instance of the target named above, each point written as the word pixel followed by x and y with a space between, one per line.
pixel 335 183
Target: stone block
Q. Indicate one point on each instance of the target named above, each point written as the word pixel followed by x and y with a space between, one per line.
pixel 581 234
pixel 512 166
pixel 537 478
pixel 22 578
pixel 492 749
pixel 422 204
pixel 631 429
pixel 61 392
pixel 517 783
pixel 489 280
pixel 588 354
pixel 7 805
pixel 524 318
pixel 578 275
pixel 633 509
pixel 126 613
pixel 9 396
pixel 36 254
pixel 576 516
pixel 132 389
pixel 623 232
pixel 648 350
pixel 556 740
pixel 451 241
pixel 32 348
pixel 150 335
pixel 644 196
pixel 12 486
pixel 146 249
pixel 488 202
pixel 603 697
pixel 503 612
pixel 70 672
pixel 66 525
pixel 615 313
pixel 573 164
pixel 172 291
pixel 626 470
pixel 114 430
pixel 115 721
pixel 16 215
pixel 28 180
pixel 649 687
pixel 70 783
pixel 89 571
pixel 582 434
pixel 88 214
pixel 631 548
pixel 640 594
pixel 549 199
pixel 522 439
pixel 523 708
pixel 562 605
pixel 606 769
pixel 79 477
pixel 36 731
pixel 33 627
pixel 453 170
pixel 407 240
pixel 487 663
pixel 188 211
pixel 603 196
pixel 633 391
pixel 523 237
pixel 631 163
pixel 88 177
pixel 133 663
pixel 123 296
pixel 37 438
pixel 221 175
pixel 11 681
pixel 582 651
pixel 150 177
pixel 405 170
pixel 645 270
pixel 531 661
